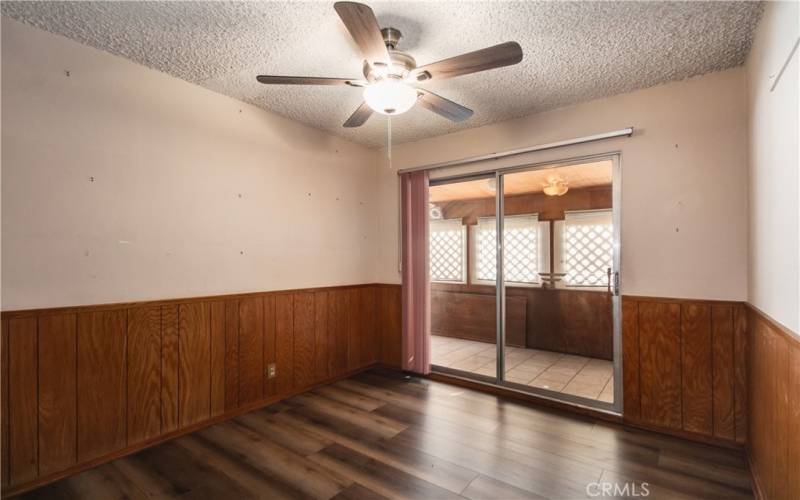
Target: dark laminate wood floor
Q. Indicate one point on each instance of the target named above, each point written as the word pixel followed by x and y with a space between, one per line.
pixel 380 434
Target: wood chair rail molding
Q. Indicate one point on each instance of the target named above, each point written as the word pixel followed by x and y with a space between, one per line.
pixel 84 385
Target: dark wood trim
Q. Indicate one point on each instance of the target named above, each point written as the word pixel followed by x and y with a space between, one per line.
pixel 675 300
pixel 43 480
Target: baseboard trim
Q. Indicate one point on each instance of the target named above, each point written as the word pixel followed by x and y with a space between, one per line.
pixel 689 436
pixel 51 478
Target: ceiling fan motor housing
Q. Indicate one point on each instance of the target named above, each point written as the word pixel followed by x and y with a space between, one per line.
pixel 401 62
pixel 391 37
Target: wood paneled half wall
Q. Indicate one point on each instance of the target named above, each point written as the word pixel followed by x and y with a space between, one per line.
pixel 774 408
pixel 83 385
pixel 684 367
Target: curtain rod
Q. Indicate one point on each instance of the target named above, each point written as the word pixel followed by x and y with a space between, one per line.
pixel 514 152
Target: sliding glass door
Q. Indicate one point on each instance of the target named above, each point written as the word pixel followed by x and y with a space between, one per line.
pixel 463 286
pixel 535 310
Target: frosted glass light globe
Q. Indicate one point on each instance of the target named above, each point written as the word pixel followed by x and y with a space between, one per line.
pixel 390 97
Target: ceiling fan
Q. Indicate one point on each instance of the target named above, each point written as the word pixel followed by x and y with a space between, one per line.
pixel 391 76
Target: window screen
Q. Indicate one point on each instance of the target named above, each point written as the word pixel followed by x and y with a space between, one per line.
pixel 521 249
pixel 588 247
pixel 447 250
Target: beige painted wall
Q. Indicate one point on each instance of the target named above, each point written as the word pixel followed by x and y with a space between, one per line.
pixel 684 174
pixel 164 217
pixel 774 165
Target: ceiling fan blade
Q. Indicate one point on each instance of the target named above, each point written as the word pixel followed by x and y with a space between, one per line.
pixel 360 21
pixel 359 117
pixel 497 56
pixel 307 80
pixel 444 107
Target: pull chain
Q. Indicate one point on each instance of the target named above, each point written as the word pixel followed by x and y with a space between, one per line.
pixel 389 141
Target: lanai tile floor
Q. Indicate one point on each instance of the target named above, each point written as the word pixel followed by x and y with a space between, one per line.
pixel 576 375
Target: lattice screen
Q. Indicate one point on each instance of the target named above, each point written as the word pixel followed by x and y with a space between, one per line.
pixel 588 248
pixel 447 250
pixel 521 249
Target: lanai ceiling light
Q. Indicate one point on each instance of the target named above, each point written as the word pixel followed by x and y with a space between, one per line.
pixel 391 77
pixel 555 187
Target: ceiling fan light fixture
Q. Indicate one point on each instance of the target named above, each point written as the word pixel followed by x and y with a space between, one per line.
pixel 390 96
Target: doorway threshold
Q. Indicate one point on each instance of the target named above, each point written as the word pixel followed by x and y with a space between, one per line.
pixel 489 386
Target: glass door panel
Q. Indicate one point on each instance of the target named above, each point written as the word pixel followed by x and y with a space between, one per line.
pixel 463 300
pixel 558 260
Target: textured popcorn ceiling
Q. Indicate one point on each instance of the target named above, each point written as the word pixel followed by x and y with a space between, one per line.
pixel 573 51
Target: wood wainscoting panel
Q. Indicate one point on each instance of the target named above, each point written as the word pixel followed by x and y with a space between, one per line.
pixel 57 392
pixel 389 322
pixel 338 323
pixel 217 331
pixel 231 354
pixel 774 407
pixel 322 358
pixel 370 344
pixel 270 352
pixel 194 375
pixel 660 364
pixel 355 329
pixel 4 403
pixel 740 367
pixel 23 439
pixel 471 315
pixel 83 385
pixel 683 366
pixel 722 369
pixel 569 321
pixel 284 342
pixel 304 358
pixel 144 373
pixel 102 404
pixel 793 432
pixel 170 368
pixel 631 403
pixel 696 369
pixel 251 350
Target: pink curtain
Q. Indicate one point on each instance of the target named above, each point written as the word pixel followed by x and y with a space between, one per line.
pixel 416 272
